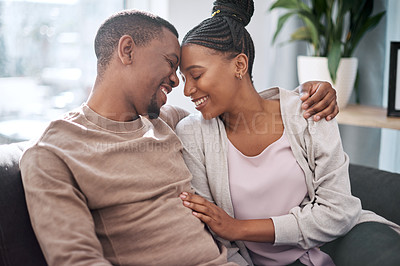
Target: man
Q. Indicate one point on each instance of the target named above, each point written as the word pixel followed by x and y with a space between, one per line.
pixel 102 184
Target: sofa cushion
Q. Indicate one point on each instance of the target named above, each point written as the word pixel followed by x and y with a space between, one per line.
pixel 18 244
pixel 367 244
pixel 378 190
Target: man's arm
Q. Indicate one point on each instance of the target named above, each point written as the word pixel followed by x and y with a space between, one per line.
pixel 59 213
pixel 319 100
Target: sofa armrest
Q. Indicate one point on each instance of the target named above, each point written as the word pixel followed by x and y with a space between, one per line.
pixel 378 190
pixel 18 244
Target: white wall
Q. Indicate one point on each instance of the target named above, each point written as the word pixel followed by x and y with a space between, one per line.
pixel 389 158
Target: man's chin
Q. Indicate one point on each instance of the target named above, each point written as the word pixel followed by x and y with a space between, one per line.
pixel 153 115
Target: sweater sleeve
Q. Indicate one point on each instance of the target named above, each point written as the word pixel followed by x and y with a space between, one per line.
pixel 330 211
pixel 190 131
pixel 172 115
pixel 59 214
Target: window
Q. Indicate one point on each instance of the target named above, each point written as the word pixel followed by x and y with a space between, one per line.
pixel 47 60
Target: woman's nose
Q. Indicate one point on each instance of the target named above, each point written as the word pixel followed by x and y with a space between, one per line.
pixel 188 89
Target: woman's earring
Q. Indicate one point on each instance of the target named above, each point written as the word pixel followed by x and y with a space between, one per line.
pixel 239 76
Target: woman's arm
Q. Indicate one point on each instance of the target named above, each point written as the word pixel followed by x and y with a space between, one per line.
pixel 331 211
pixel 193 138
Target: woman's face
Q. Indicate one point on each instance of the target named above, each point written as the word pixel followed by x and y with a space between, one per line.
pixel 209 79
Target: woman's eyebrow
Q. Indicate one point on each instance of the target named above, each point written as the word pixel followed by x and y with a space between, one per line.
pixel 192 66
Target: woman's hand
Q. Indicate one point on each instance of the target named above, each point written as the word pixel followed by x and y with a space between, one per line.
pixel 216 218
pixel 319 99
pixel 257 230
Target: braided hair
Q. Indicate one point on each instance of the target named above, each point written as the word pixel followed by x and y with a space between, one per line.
pixel 225 30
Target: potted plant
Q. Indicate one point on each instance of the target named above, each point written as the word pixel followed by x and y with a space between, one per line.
pixel 333 29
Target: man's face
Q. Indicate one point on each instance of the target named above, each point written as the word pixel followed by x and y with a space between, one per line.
pixel 155 65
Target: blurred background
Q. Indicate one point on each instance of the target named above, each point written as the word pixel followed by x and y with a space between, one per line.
pixel 48 65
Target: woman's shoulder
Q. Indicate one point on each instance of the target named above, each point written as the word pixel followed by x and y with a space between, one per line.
pixel 289 99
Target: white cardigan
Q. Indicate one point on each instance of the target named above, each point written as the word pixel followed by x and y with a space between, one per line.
pixel 328 210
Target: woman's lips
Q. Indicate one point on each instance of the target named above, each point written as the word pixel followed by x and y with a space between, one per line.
pixel 200 102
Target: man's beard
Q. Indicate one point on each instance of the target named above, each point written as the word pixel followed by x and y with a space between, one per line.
pixel 153 111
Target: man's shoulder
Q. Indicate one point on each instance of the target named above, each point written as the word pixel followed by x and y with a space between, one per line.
pixel 57 129
pixel 63 123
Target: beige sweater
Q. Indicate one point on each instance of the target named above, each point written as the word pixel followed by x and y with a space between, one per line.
pixel 102 192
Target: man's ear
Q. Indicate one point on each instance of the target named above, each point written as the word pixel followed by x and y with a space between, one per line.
pixel 241 64
pixel 125 49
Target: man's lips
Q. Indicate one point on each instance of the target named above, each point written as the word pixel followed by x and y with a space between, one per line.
pixel 166 89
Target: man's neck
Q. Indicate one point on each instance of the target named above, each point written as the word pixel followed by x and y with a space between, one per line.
pixel 110 103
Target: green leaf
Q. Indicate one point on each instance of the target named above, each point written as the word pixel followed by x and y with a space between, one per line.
pixel 282 20
pixel 345 6
pixel 311 27
pixel 314 26
pixel 289 4
pixel 368 25
pixel 320 7
pixel 334 56
pixel 301 34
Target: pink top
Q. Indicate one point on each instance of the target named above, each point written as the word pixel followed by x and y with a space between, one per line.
pixel 267 185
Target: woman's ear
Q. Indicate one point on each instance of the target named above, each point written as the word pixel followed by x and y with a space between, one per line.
pixel 125 49
pixel 241 64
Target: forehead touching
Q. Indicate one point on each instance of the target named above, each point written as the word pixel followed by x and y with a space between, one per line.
pixel 168 45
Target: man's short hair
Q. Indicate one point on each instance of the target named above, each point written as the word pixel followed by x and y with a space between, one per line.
pixel 143 27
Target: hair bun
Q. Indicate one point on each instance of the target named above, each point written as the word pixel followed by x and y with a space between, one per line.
pixel 240 10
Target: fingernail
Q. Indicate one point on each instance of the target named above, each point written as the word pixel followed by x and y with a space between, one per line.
pixel 185 193
pixel 305 106
pixel 329 118
pixel 317 118
pixel 186 203
pixel 182 196
pixel 307 115
pixel 194 213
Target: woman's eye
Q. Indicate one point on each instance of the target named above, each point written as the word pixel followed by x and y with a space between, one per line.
pixel 196 77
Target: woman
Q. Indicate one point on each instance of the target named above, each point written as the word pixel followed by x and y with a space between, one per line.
pixel 283 178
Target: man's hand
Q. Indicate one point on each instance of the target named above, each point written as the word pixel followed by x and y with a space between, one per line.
pixel 319 99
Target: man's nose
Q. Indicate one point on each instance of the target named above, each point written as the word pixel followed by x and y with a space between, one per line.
pixel 174 79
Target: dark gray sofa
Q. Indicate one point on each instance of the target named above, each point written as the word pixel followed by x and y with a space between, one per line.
pixel 378 190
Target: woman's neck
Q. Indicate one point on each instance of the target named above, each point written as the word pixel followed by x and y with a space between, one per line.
pixel 247 114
